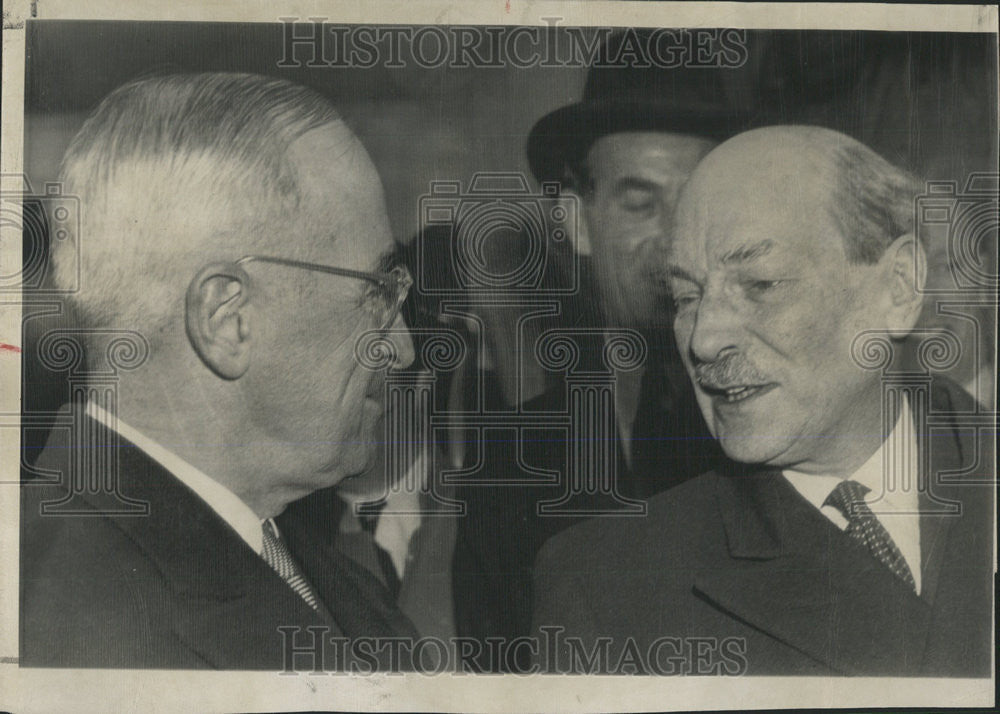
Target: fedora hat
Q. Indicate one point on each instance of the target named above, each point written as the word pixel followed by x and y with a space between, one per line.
pixel 627 91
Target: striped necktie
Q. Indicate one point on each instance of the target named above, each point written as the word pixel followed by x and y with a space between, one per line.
pixel 862 525
pixel 277 556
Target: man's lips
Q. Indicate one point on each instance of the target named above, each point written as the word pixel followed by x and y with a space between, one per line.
pixel 734 393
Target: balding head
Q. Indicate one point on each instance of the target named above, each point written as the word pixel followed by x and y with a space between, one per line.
pixel 870 200
pixel 791 242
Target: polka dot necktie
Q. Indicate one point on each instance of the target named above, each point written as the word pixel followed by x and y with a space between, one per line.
pixel 277 556
pixel 867 530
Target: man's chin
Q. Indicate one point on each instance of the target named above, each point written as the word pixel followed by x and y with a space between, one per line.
pixel 753 448
pixel 749 439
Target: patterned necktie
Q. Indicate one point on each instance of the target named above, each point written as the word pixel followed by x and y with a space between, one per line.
pixel 277 556
pixel 866 529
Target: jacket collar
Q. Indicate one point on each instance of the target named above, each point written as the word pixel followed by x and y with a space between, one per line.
pixel 799 578
pixel 228 603
pixel 759 510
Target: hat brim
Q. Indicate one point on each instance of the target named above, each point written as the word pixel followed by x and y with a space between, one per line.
pixel 564 136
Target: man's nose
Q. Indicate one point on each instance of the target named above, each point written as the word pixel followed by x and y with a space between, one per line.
pixel 399 335
pixel 716 327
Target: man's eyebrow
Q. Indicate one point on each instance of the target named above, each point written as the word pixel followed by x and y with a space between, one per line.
pixel 746 253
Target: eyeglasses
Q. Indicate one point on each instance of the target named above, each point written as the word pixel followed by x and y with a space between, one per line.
pixel 385 298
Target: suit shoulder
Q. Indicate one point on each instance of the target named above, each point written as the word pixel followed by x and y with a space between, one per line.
pixel 81 547
pixel 89 596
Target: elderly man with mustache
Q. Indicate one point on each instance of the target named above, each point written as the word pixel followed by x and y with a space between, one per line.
pixel 832 543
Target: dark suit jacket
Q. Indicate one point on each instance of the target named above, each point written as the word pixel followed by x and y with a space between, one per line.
pixel 503 531
pixel 741 554
pixel 425 590
pixel 177 588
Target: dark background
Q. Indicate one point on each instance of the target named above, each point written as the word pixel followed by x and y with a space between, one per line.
pixel 418 124
pixel 924 100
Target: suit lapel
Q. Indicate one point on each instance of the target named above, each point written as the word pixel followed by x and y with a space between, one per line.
pixel 940 452
pixel 228 603
pixel 358 601
pixel 797 577
pixel 956 537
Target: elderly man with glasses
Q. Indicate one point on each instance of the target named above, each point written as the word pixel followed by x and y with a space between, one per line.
pixel 250 395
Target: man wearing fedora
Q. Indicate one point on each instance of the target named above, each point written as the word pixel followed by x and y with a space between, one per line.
pixel 624 150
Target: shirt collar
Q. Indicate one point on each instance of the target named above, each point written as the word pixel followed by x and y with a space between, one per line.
pixel 226 504
pixel 901 495
pixel 403 508
pixel 891 475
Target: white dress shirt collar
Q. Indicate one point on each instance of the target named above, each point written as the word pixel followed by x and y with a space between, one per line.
pixel 401 517
pixel 226 504
pixel 890 474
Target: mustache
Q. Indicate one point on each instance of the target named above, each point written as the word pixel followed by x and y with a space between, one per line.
pixel 731 370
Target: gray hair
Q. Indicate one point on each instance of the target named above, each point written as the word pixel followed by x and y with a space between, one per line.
pixel 873 201
pixel 154 149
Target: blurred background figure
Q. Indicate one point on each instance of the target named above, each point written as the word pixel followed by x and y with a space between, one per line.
pixel 387 524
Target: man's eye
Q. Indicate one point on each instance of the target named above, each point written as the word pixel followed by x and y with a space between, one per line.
pixel 637 200
pixel 378 296
pixel 685 300
pixel 766 284
pixel 762 287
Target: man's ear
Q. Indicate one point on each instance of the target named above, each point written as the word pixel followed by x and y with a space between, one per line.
pixel 218 319
pixel 905 270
